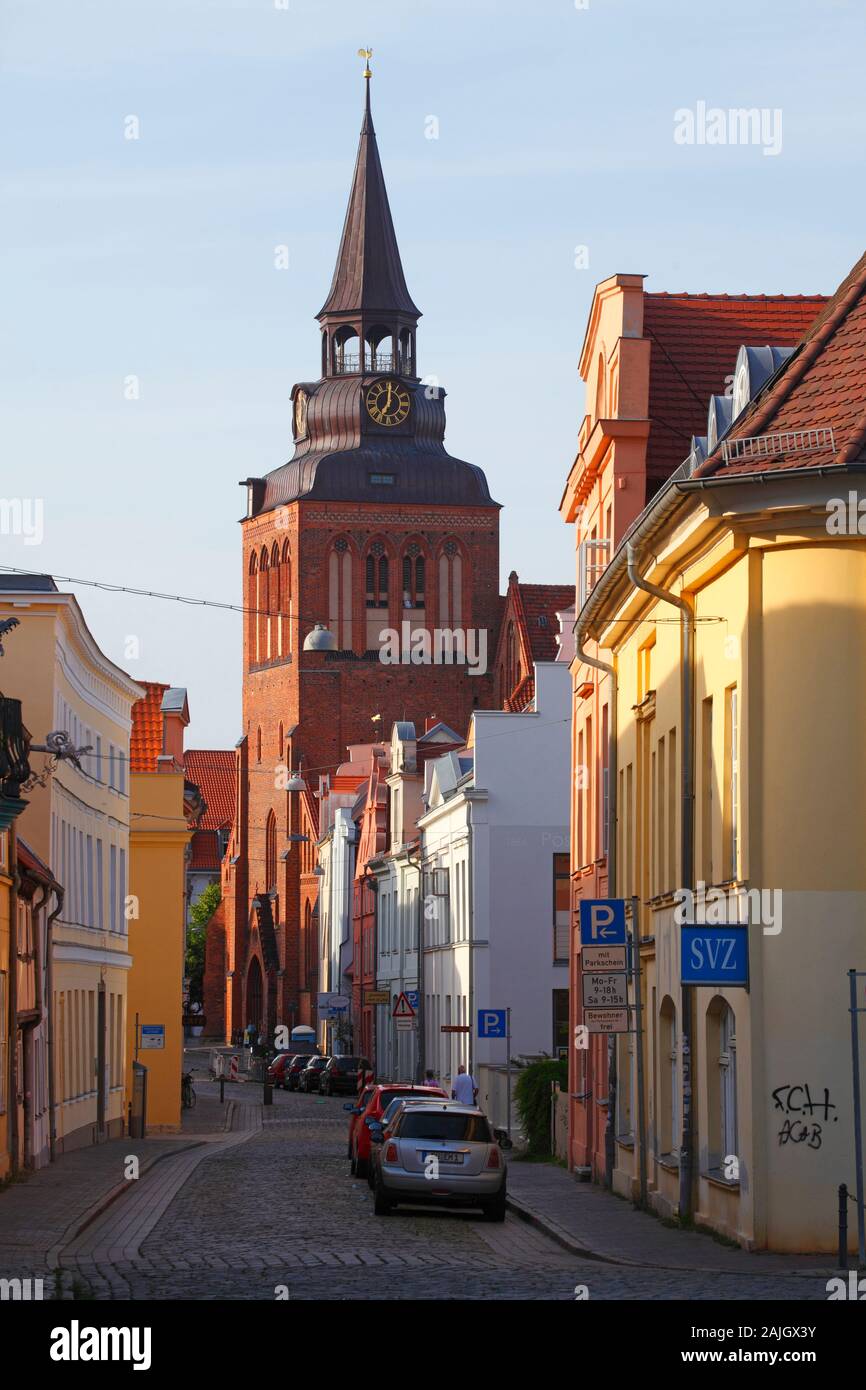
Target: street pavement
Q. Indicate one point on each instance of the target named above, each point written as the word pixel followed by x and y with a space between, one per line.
pixel 256 1202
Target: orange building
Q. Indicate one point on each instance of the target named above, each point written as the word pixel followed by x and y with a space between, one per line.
pixel 650 363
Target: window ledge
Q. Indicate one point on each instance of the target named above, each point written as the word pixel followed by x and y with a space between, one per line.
pixel 625 1141
pixel 670 1161
pixel 717 1178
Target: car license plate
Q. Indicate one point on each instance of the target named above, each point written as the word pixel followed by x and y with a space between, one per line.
pixel 443 1156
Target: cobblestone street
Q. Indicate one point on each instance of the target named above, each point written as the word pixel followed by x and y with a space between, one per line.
pixel 237 1214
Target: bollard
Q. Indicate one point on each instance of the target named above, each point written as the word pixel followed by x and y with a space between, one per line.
pixel 843 1225
pixel 267 1093
pixel 222 1090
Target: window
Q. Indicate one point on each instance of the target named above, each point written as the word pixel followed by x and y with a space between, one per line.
pixel 91 913
pixel 661 827
pixel 122 887
pixel 672 808
pixel 451 585
pixel 413 577
pixel 732 773
pixel 100 915
pixel 728 1082
pixel 592 558
pixel 561 894
pixel 112 887
pixel 383 479
pixel 668 1109
pixel 560 1023
pixel 111 764
pixel 340 593
pixel 99 757
pixel 377 576
pixel 271 852
pixel 722 1089
pixel 707 791
pixel 605 781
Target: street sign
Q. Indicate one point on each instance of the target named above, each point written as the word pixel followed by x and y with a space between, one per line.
pixel 376 996
pixel 332 1005
pixel 492 1023
pixel 602 922
pixel 597 958
pixel 405 1025
pixel 152 1036
pixel 454 1028
pixel 402 1009
pixel 412 996
pixel 605 991
pixel 715 955
pixel 606 1020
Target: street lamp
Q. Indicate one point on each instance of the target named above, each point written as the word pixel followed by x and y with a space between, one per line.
pixel 320 640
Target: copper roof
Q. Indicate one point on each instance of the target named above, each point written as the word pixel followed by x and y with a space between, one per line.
pixel 369 274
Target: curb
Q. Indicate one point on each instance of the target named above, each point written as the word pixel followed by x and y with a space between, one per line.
pixel 557 1233
pixel 73 1231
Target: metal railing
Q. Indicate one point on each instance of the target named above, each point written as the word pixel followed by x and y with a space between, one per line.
pixel 349 362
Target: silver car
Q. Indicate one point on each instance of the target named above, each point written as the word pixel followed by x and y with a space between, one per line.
pixel 442 1154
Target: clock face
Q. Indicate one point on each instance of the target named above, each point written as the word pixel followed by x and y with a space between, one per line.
pixel 300 414
pixel 388 402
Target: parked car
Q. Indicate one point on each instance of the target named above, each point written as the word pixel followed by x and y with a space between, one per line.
pixel 294 1068
pixel 380 1099
pixel 342 1074
pixel 309 1077
pixel 278 1069
pixel 389 1116
pixel 355 1109
pixel 469 1168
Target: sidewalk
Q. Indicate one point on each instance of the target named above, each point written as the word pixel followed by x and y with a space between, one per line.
pixel 589 1221
pixel 49 1207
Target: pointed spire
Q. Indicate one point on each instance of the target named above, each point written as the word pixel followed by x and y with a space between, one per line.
pixel 369 275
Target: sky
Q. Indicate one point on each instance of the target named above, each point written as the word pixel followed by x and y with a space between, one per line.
pixel 149 342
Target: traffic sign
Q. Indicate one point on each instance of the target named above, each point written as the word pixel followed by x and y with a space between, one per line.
pixel 152 1036
pixel 454 1028
pixel 606 1020
pixel 412 995
pixel 332 1005
pixel 605 991
pixel 492 1023
pixel 402 1009
pixel 405 1024
pixel 596 958
pixel 715 955
pixel 602 922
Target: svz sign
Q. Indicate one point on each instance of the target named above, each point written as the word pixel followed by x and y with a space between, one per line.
pixel 715 955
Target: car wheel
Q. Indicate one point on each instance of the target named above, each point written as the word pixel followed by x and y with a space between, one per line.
pixel 495 1210
pixel 371 1181
pixel 362 1167
pixel 382 1206
pixel 353 1164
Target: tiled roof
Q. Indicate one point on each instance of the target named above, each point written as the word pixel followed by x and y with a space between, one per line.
pixel 204 855
pixel 540 604
pixel 694 342
pixel 145 740
pixel 213 771
pixel 823 385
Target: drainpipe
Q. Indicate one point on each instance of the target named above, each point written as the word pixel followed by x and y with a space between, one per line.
pixel 687 852
pixel 49 990
pixel 29 1079
pixel 609 670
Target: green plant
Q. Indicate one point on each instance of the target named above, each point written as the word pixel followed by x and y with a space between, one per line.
pixel 199 915
pixel 532 1095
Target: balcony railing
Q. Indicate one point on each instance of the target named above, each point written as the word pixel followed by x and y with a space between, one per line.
pixel 347 362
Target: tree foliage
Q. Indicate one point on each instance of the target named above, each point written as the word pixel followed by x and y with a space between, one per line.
pixel 532 1096
pixel 199 915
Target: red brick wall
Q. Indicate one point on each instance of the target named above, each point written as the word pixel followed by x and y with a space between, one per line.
pixel 214 985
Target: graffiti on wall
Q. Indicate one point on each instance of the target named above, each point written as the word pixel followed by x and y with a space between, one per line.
pixel 805 1116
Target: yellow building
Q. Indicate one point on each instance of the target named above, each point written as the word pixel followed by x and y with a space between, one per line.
pixel 78 824
pixel 733 616
pixel 158 850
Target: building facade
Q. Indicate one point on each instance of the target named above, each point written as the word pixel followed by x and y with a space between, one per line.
pixel 78 825
pixel 733 760
pixel 654 367
pixel 163 805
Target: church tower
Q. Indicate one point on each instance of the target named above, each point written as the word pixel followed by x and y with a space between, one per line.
pixel 371 532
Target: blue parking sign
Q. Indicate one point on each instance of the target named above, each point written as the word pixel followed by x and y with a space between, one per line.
pixel 602 922
pixel 492 1023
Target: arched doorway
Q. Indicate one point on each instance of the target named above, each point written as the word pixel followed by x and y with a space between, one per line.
pixel 254 994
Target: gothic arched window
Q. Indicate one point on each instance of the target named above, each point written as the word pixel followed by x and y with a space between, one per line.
pixel 377 576
pixel 271 852
pixel 450 585
pixel 414 575
pixel 340 593
pixel 264 606
pixel 252 605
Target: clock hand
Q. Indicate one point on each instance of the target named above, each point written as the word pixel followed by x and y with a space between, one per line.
pixel 388 397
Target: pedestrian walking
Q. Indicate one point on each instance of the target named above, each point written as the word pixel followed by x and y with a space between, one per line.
pixel 465 1089
pixel 430 1078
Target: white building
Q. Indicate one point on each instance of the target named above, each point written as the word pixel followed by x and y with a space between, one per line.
pixel 398 896
pixel 494 845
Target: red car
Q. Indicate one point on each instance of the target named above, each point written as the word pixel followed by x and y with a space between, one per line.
pixel 372 1104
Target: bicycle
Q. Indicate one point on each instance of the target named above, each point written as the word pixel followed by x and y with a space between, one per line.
pixel 187 1091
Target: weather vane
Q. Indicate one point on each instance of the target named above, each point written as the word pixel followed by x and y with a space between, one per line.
pixel 366 54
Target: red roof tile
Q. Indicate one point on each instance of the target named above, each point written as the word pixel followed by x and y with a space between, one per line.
pixel 213 770
pixel 823 385
pixel 205 851
pixel 145 740
pixel 540 604
pixel 694 342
